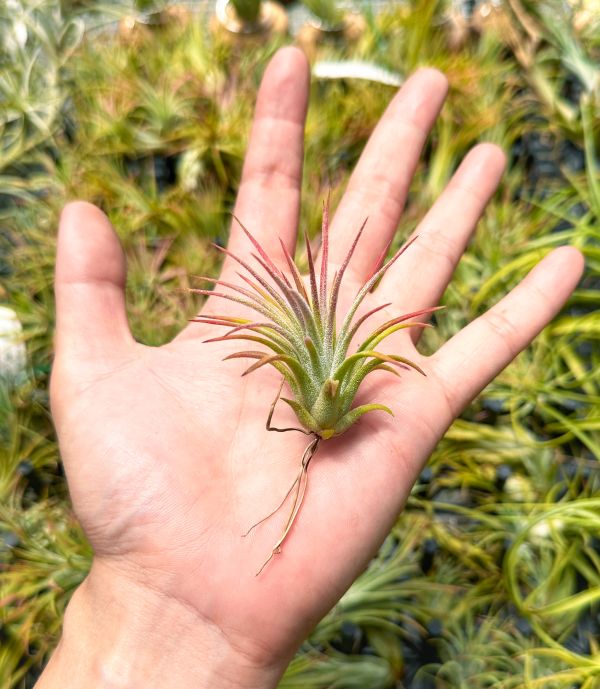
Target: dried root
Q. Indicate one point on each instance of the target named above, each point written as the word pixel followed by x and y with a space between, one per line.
pixel 299 484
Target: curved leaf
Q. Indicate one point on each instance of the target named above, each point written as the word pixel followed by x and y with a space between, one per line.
pixel 354 415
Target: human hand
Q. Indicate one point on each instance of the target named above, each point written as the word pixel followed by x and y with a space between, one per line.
pixel 165 449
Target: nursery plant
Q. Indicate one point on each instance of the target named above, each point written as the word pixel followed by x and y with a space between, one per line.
pixel 244 21
pixel 247 10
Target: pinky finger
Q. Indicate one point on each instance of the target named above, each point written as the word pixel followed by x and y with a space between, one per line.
pixel 475 355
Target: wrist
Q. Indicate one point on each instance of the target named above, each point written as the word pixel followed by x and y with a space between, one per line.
pixel 119 634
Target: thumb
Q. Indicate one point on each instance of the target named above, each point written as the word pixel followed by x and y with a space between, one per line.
pixel 91 319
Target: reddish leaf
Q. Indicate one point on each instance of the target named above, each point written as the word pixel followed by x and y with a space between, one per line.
pixel 254 274
pixel 335 289
pixel 261 251
pixel 247 354
pixel 269 359
pixel 324 254
pixel 404 317
pixel 217 320
pixel 235 288
pixel 378 263
pixel 311 272
pixel 363 318
pixel 368 285
pixel 294 271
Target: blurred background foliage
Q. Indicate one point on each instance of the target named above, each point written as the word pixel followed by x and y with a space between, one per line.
pixel 491 576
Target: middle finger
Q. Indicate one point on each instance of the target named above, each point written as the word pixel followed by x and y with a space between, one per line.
pixel 379 184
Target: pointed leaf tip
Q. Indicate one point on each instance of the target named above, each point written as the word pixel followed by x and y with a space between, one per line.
pixel 268 359
pixel 258 246
pixel 324 253
pixel 311 271
pixel 331 387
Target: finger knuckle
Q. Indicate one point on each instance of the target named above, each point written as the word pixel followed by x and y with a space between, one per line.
pixel 503 328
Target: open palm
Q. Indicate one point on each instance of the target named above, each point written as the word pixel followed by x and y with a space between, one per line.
pixel 167 456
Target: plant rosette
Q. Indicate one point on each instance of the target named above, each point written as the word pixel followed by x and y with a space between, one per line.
pixel 315 31
pixel 272 20
pixel 298 324
pixel 134 31
pixel 139 28
pixel 458 29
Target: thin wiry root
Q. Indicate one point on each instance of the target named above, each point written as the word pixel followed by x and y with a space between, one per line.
pixel 281 430
pixel 276 551
pixel 300 483
pixel 281 504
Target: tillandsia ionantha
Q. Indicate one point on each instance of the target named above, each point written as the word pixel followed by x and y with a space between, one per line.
pixel 308 349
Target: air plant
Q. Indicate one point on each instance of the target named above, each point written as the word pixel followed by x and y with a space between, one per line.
pixel 308 350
